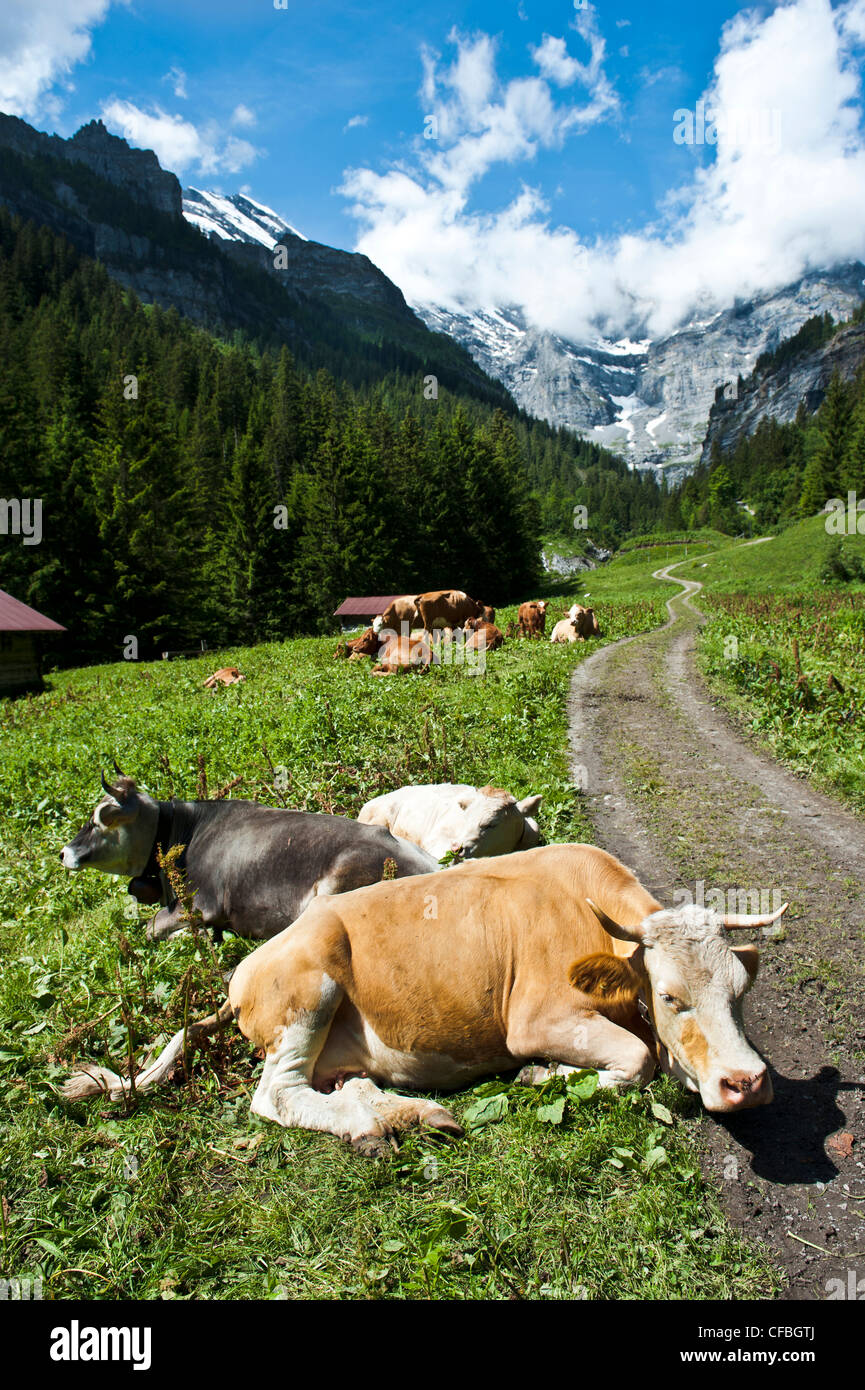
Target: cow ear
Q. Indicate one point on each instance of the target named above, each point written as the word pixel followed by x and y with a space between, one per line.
pixel 529 805
pixel 750 958
pixel 603 976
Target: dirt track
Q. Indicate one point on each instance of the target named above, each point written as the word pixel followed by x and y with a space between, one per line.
pixel 678 793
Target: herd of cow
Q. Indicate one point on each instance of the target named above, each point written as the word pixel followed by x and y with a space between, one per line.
pixel 380 968
pixel 402 637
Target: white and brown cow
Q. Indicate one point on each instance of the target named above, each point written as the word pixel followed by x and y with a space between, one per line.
pixel 430 982
pixel 456 818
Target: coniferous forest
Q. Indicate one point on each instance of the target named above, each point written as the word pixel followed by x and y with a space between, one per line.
pixel 194 487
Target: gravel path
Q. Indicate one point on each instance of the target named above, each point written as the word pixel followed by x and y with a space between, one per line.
pixel 678 792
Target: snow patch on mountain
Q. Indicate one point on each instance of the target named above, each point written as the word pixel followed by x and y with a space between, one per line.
pixel 235 218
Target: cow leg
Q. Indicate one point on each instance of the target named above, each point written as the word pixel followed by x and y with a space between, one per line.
pixel 167 921
pixel 285 1092
pixel 582 1040
pixel 402 1112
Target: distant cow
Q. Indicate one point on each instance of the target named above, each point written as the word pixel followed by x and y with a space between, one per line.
pixel 587 622
pixel 227 675
pixel 367 644
pixel 484 636
pixel 450 608
pixel 576 628
pixel 400 610
pixel 470 821
pixel 565 630
pixel 403 653
pixel 533 619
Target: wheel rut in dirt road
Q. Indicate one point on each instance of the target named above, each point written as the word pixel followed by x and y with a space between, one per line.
pixel 681 796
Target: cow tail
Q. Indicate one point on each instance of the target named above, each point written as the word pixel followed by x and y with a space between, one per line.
pixel 99 1081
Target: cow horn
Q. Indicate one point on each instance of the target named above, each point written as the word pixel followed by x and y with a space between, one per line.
pixel 735 920
pixel 105 787
pixel 117 768
pixel 614 928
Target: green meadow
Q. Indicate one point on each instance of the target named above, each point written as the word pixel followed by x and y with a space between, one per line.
pixel 561 1193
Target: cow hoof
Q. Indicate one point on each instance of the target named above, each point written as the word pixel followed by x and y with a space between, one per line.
pixel 533 1075
pixel 443 1121
pixel 373 1145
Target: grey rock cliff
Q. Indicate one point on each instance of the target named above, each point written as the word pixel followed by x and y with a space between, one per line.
pixel 137 172
pixel 649 401
pixel 778 392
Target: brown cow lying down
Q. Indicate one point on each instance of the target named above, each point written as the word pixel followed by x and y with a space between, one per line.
pixel 433 981
pixel 367 644
pixel 450 608
pixel 482 635
pixel 404 654
pixel 227 675
pixel 532 618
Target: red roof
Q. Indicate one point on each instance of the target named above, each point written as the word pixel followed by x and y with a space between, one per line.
pixel 365 607
pixel 17 617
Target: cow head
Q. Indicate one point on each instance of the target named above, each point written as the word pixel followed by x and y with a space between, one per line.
pixel 485 822
pixel 694 983
pixel 119 836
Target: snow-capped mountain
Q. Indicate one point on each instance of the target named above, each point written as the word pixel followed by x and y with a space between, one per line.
pixel 235 218
pixel 649 400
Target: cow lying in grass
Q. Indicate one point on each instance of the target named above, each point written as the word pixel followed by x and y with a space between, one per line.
pixel 448 818
pixel 433 982
pixel 253 869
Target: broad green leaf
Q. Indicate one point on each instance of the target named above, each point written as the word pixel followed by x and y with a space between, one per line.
pixel 582 1085
pixel 486 1111
pixel 654 1158
pixel 661 1113
pixel 553 1113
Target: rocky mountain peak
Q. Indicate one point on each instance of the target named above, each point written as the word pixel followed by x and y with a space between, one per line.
pixel 137 172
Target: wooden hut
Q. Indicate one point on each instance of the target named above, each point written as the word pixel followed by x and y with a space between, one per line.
pixel 359 612
pixel 20 652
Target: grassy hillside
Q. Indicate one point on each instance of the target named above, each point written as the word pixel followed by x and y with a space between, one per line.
pixel 785 648
pixel 187 1195
pixel 790 562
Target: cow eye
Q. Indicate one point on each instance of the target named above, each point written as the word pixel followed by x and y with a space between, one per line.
pixel 670 1000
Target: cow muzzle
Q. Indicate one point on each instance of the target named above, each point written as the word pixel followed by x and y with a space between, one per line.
pixel 742 1090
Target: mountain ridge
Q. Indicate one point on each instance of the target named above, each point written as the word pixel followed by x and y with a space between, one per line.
pixel 651 404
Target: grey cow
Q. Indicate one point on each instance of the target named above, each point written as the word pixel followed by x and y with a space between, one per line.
pixel 253 869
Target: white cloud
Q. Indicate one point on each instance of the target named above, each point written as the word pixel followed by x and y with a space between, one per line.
pixel 479 122
pixel 177 78
pixel 242 115
pixel 753 213
pixel 554 61
pixel 355 121
pixel 178 143
pixel 40 42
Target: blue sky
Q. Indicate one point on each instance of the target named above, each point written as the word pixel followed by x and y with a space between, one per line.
pixel 555 142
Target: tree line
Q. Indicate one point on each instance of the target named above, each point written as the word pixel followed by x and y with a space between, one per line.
pixel 196 487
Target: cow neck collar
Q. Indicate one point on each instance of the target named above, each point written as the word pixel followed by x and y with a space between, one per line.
pixel 151 885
